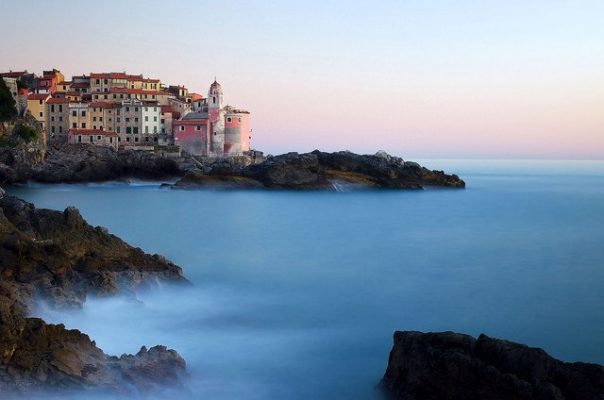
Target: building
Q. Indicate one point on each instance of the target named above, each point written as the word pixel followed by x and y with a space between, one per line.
pixel 47 83
pixel 214 130
pixel 93 136
pixel 57 119
pixel 79 117
pixel 138 123
pixel 191 133
pixel 166 132
pixel 36 104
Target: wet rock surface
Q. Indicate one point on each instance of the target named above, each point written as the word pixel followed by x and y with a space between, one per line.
pixel 448 365
pixel 321 171
pixel 58 257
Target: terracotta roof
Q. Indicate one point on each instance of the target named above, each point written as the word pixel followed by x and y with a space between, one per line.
pixel 80 85
pixel 72 93
pixel 13 74
pixel 121 75
pixel 57 100
pixel 103 104
pixel 92 132
pixel 38 96
pixel 133 91
pixel 195 96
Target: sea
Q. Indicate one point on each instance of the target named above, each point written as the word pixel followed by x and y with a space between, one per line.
pixel 296 295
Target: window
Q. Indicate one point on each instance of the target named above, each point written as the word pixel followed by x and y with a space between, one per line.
pixel 155 139
pixel 136 139
pixel 229 119
pixel 52 129
pixel 74 125
pixel 98 138
pixel 163 121
pixel 136 119
pixel 135 130
pixel 52 118
pixel 127 119
pixel 60 118
pixel 127 139
pixel 182 127
pixel 52 108
pixel 128 129
pixel 214 133
pixel 239 119
pixel 118 119
pixel 198 128
pixel 155 119
pixel 146 118
pixel 74 113
pixel 98 81
pixel 105 81
pixel 94 127
pixel 146 138
pixel 146 129
pixel 118 129
pixel 94 119
pixel 155 129
pixel 127 109
pixel 83 113
pixel 79 138
pixel 94 109
pixel 40 101
pixel 91 138
pixel 60 108
pixel 105 96
pixel 83 125
pixel 110 140
pixel 41 114
pixel 135 109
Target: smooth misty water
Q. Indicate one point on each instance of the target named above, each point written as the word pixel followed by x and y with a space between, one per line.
pixel 297 295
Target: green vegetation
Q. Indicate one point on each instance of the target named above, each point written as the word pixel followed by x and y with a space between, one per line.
pixel 21 85
pixel 27 133
pixel 8 107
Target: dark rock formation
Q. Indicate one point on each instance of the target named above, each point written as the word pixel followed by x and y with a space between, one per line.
pixel 59 257
pixel 452 366
pixel 321 171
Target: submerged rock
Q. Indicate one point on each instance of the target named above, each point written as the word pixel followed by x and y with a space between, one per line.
pixel 59 257
pixel 447 365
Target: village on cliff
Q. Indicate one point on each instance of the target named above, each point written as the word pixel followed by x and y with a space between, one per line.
pixel 127 112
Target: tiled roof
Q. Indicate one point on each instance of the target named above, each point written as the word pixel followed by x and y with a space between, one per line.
pixel 38 96
pixel 92 132
pixel 12 74
pixel 195 96
pixel 103 104
pixel 57 100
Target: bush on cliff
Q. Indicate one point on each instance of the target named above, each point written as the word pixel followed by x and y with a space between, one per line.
pixel 27 133
pixel 8 108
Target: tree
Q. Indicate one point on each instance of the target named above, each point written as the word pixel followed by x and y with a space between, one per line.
pixel 8 107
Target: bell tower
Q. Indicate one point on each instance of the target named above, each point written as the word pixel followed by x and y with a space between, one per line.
pixel 216 117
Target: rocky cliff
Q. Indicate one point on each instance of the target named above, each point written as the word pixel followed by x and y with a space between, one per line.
pixel 321 171
pixel 452 366
pixel 57 256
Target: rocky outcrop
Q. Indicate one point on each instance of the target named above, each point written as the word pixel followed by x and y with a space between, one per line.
pixel 321 171
pixel 58 257
pixel 436 366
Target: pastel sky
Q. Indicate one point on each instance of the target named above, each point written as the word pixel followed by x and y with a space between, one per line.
pixel 417 78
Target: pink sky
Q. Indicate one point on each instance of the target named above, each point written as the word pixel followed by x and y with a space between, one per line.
pixel 445 79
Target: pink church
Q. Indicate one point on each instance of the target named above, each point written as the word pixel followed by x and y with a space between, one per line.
pixel 214 129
